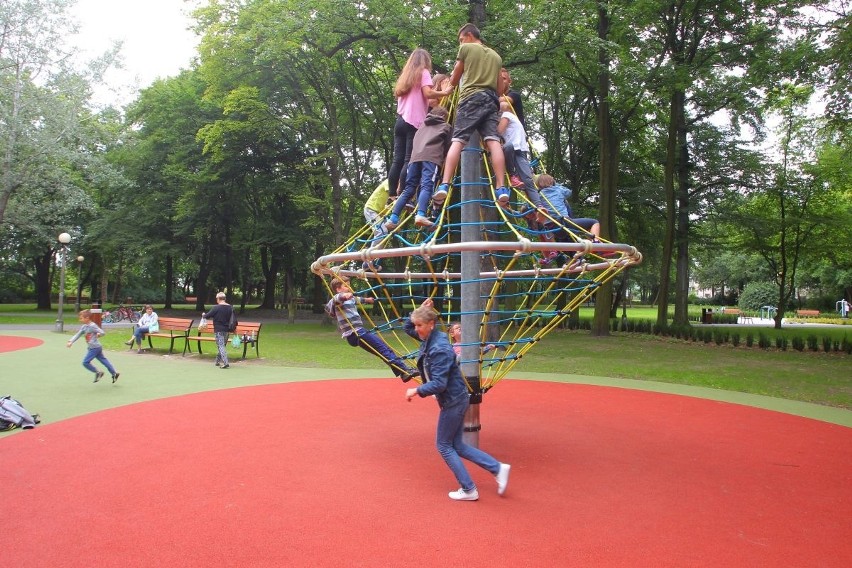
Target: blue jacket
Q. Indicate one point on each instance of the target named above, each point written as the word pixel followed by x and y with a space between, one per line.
pixel 439 369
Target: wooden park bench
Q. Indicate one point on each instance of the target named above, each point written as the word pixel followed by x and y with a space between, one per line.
pixel 248 331
pixel 173 329
pixel 807 313
pixel 742 317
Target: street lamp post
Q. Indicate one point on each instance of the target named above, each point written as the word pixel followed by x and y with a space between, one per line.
pixel 64 239
pixel 80 260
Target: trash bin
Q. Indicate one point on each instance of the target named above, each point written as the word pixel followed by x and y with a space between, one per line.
pixel 706 315
pixel 97 313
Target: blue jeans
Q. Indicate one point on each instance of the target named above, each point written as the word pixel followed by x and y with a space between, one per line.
pixel 139 334
pixel 452 448
pixel 97 353
pixel 403 140
pixel 375 345
pixel 424 174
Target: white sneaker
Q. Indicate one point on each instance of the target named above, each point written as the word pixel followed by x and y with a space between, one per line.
pixel 462 495
pixel 502 478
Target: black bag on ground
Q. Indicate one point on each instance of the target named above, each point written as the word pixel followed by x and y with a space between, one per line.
pixel 232 323
pixel 14 415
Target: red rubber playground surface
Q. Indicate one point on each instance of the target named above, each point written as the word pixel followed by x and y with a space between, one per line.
pixel 344 473
pixel 14 343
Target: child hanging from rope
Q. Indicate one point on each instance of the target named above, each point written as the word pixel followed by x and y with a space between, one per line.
pixel 344 307
pixel 431 142
pixel 555 197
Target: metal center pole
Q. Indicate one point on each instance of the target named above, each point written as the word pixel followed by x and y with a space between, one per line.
pixel 471 231
pixel 60 319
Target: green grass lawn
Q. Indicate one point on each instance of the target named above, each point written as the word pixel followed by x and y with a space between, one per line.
pixel 803 376
pixel 808 377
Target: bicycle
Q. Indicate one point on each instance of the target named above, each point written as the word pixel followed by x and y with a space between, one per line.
pixel 122 312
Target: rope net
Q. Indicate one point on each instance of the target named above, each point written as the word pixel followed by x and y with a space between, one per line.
pixel 534 271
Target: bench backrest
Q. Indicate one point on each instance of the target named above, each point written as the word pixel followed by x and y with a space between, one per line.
pixel 174 324
pixel 243 328
pixel 248 328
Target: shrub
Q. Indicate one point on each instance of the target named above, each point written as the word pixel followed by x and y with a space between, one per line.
pixel 813 343
pixel 755 295
pixel 763 341
pixel 798 343
pixel 749 339
pixel 826 344
pixel 846 345
pixel 735 339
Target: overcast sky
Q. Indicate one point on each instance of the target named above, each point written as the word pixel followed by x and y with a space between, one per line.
pixel 157 43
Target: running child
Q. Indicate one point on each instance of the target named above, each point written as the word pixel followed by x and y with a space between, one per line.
pixel 95 349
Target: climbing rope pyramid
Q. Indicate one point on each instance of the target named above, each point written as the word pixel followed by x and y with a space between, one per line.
pixel 518 301
pixel 492 268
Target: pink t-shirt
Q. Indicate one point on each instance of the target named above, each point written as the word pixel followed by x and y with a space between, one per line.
pixel 412 105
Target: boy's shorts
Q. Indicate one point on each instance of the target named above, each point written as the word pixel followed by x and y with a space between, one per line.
pixel 481 112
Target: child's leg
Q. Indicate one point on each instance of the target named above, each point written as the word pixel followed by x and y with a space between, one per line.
pixel 467 118
pixel 374 344
pixel 372 219
pixel 87 360
pixel 412 177
pixel 591 226
pixel 427 184
pixel 105 362
pixel 509 158
pixel 524 171
pixel 498 164
pixel 452 161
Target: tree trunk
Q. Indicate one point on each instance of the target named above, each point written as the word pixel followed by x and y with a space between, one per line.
pixel 43 279
pixel 682 230
pixel 271 268
pixel 675 110
pixel 170 278
pixel 608 174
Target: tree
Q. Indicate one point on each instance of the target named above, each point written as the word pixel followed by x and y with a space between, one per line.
pixel 42 98
pixel 781 216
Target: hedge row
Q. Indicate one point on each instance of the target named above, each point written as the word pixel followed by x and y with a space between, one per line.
pixel 748 337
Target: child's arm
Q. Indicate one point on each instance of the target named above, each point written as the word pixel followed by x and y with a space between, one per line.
pixel 431 93
pixel 458 71
pixel 75 337
pixel 502 125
